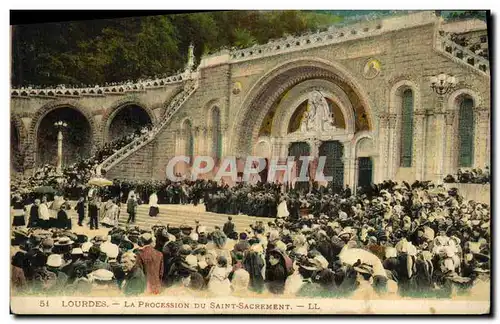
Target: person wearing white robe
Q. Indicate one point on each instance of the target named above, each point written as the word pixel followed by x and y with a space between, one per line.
pixel 110 214
pixel 282 209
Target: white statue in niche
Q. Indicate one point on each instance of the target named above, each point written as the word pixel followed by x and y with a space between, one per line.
pixel 318 117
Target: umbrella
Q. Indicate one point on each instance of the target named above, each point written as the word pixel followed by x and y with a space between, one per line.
pixel 100 182
pixel 45 190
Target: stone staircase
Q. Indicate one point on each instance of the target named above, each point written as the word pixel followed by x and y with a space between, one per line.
pixel 189 88
pixel 177 215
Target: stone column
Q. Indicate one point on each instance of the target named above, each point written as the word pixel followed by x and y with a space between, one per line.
pixel 449 164
pixel 383 147
pixel 440 139
pixel 394 144
pixel 349 164
pixel 419 143
pixel 59 151
pixel 481 133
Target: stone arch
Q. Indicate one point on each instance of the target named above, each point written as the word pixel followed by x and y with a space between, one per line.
pixel 455 96
pixel 44 111
pixel 364 145
pixel 284 76
pixel 299 93
pixel 263 147
pixel 454 109
pixel 397 89
pixel 22 131
pixel 403 157
pixel 115 108
pixel 208 110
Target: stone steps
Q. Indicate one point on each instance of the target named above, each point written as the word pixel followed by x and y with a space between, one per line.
pixel 177 215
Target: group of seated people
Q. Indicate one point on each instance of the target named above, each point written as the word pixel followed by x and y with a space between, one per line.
pixel 476 175
pixel 419 240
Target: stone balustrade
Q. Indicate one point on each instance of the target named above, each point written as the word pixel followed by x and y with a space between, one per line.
pixel 288 44
pixel 173 107
pixel 446 45
pixel 98 90
pixel 334 35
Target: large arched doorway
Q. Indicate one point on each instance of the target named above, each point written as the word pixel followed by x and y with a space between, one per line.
pixel 77 137
pixel 128 119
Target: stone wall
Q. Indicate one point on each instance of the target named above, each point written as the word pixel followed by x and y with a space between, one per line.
pixel 137 166
pixel 472 191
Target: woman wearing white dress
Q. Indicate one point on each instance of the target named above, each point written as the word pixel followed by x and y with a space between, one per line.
pixel 44 214
pixel 110 214
pixel 154 210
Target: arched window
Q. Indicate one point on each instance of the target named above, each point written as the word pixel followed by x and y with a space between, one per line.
pixel 216 134
pixel 188 139
pixel 406 128
pixel 466 133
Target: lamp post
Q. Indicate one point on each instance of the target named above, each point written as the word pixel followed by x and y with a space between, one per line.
pixel 442 85
pixel 59 125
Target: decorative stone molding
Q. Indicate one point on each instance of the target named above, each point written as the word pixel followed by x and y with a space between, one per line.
pixel 271 86
pixel 393 120
pixel 445 45
pixel 383 119
pixel 450 117
pixel 300 93
pixel 236 88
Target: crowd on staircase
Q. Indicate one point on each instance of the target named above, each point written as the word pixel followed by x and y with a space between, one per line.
pixel 476 175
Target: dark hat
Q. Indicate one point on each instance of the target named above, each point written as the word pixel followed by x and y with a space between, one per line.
pixel 230 218
pixel 126 245
pixel 81 238
pixel 174 230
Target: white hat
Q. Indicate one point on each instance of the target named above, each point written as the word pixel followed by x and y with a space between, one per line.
pixel 111 250
pixel 102 275
pixel 194 236
pixel 202 229
pixel 281 246
pixel 54 260
pixel 192 260
pixel 390 252
pixel 77 251
pixel 86 246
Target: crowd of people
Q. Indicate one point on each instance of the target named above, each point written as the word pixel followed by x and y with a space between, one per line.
pixel 409 240
pixel 476 175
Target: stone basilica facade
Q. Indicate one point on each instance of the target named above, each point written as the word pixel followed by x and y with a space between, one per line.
pixel 360 95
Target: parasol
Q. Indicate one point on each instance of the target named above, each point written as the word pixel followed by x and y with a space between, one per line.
pixel 100 182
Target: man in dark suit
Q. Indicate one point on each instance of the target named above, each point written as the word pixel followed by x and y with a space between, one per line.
pixel 94 213
pixel 228 227
pixel 80 210
pixel 151 262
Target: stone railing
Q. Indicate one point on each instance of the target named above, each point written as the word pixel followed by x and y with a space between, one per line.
pixel 334 34
pixel 98 90
pixel 289 44
pixel 449 47
pixel 189 88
